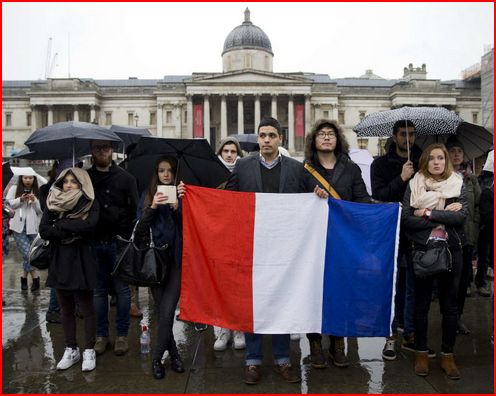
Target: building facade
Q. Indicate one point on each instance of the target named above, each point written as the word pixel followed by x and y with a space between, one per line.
pixel 214 105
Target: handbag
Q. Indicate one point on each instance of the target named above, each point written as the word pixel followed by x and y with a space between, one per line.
pixel 147 266
pixel 39 253
pixel 435 260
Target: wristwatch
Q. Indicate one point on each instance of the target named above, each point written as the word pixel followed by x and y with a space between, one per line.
pixel 427 214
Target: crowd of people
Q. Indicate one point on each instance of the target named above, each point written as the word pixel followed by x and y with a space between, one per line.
pixel 80 212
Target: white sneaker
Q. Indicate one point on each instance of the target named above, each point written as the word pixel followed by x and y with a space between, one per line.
pixel 89 360
pixel 222 340
pixel 295 337
pixel 71 356
pixel 239 340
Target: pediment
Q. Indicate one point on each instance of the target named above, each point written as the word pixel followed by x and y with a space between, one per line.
pixel 247 76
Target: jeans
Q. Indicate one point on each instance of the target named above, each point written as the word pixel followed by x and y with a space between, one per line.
pixel 53 304
pixel 254 347
pixel 447 284
pixel 23 242
pixel 106 257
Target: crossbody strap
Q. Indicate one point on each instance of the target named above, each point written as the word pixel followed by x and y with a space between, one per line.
pixel 322 181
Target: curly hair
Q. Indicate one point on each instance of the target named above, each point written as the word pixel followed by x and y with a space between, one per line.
pixel 342 145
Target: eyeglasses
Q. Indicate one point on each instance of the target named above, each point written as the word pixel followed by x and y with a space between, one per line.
pixel 329 135
pixel 102 148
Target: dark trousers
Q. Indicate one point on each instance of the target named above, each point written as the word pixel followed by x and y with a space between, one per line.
pixel 166 297
pixel 447 285
pixel 485 253
pixel 465 277
pixel 67 301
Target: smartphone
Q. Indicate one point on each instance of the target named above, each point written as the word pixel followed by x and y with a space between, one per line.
pixel 170 192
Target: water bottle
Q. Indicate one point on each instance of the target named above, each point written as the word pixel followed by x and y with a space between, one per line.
pixel 145 340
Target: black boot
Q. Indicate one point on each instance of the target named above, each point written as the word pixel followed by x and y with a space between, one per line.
pixel 177 364
pixel 158 369
pixel 36 284
pixel 24 283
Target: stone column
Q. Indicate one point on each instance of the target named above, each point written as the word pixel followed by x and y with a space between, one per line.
pixel 189 116
pixel 76 113
pixel 206 118
pixel 335 112
pixel 241 121
pixel 93 114
pixel 177 119
pixel 257 112
pixel 33 118
pixel 308 114
pixel 291 137
pixel 223 116
pixel 50 115
pixel 159 120
pixel 273 109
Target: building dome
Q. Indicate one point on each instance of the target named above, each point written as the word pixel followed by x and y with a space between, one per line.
pixel 247 35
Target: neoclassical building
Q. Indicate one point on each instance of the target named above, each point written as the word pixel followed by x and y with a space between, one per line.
pixel 214 105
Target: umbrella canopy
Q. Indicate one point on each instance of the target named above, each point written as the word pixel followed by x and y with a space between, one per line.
pixel 364 160
pixel 427 120
pixel 6 174
pixel 25 153
pixel 197 163
pixel 476 139
pixel 247 141
pixel 68 139
pixel 129 135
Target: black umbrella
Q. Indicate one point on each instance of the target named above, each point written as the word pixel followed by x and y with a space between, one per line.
pixel 25 153
pixel 247 141
pixel 128 134
pixel 476 139
pixel 197 163
pixel 427 120
pixel 68 139
pixel 6 174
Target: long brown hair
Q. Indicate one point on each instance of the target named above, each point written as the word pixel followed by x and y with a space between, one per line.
pixel 424 161
pixel 20 187
pixel 342 145
pixel 154 182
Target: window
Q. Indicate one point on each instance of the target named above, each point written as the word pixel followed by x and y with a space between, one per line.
pixel 69 115
pixel 8 147
pixel 28 118
pixel 341 119
pixel 108 118
pixel 153 118
pixel 475 117
pixel 363 143
pixel 361 114
pixel 168 117
pixel 130 119
pixel 8 119
pixel 326 114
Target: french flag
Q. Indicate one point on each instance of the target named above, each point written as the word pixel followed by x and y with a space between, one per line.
pixel 288 263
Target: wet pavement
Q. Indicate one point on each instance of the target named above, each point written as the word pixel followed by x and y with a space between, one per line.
pixel 32 347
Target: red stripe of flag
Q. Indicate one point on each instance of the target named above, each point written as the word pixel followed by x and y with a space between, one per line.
pixel 216 284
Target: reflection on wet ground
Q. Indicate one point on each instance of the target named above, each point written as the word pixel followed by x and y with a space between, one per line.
pixel 31 348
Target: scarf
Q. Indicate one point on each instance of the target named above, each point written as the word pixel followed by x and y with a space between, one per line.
pixel 228 165
pixel 432 194
pixel 62 202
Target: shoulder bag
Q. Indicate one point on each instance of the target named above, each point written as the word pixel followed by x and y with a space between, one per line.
pixel 39 253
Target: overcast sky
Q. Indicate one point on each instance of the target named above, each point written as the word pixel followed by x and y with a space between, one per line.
pixel 150 40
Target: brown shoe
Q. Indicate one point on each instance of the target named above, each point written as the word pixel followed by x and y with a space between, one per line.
pixel 252 374
pixel 286 371
pixel 422 363
pixel 121 346
pixel 336 352
pixel 317 358
pixel 134 311
pixel 449 367
pixel 101 345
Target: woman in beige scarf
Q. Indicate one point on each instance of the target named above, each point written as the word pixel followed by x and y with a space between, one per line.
pixel 435 200
pixel 69 218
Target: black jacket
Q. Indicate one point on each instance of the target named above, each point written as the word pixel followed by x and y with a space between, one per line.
pixel 346 180
pixel 385 172
pixel 247 175
pixel 72 262
pixel 117 194
pixel 418 229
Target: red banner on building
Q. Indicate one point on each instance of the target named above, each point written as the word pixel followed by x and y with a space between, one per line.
pixel 198 120
pixel 299 120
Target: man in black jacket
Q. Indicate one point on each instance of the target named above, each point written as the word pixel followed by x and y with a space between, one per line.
pixel 117 193
pixel 268 172
pixel 389 176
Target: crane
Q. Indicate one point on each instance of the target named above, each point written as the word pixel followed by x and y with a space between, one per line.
pixel 50 62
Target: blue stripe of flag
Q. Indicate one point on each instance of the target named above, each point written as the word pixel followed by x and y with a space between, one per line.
pixel 359 269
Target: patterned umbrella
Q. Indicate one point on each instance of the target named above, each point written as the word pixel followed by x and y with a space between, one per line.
pixel 427 120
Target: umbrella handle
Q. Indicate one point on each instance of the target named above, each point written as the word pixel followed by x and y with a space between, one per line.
pixel 407 140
